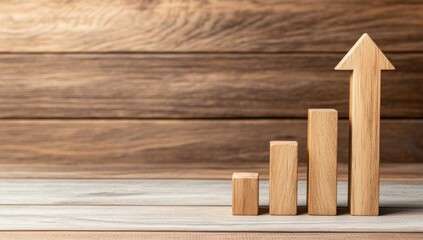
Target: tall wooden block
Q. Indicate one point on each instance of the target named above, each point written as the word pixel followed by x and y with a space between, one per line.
pixel 366 61
pixel 283 175
pixel 245 194
pixel 322 140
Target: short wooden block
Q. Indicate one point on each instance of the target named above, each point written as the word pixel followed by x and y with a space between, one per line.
pixel 283 177
pixel 245 194
pixel 322 140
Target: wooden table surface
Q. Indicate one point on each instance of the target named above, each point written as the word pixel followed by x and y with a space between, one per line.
pixel 188 209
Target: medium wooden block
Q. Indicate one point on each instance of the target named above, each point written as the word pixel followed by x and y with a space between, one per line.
pixel 245 193
pixel 322 138
pixel 366 60
pixel 283 177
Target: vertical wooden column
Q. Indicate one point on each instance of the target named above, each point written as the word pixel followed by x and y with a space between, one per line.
pixel 245 193
pixel 283 175
pixel 322 140
pixel 366 60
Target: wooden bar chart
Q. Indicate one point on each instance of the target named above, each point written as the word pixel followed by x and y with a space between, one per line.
pixel 366 61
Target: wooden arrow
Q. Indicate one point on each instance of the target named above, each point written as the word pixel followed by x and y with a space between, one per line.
pixel 366 60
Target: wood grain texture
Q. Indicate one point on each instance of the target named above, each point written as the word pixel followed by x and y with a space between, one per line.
pixel 204 235
pixel 388 172
pixel 322 144
pixel 217 26
pixel 120 217
pixel 193 85
pixel 245 194
pixel 63 235
pixel 283 178
pixel 366 60
pixel 125 148
pixel 171 141
pixel 93 207
pixel 162 192
pixel 149 205
pixel 197 218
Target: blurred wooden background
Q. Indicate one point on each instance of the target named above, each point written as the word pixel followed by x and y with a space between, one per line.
pixel 194 89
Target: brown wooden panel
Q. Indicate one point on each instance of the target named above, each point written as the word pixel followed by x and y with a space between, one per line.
pixel 201 235
pixel 218 25
pixel 388 171
pixel 193 85
pixel 163 148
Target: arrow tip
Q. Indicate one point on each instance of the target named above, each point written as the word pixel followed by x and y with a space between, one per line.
pixel 364 52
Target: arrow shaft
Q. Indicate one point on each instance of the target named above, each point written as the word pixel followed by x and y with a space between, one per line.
pixel 364 141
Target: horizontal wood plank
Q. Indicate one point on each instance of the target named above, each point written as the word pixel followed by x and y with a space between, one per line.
pixel 64 235
pixel 134 192
pixel 193 86
pixel 388 171
pixel 171 147
pixel 217 26
pixel 184 205
pixel 197 218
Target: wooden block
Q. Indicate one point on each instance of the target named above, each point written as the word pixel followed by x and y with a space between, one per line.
pixel 245 193
pixel 366 60
pixel 322 139
pixel 283 177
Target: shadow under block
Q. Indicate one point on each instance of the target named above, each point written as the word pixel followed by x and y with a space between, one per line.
pixel 283 174
pixel 366 60
pixel 245 194
pixel 322 135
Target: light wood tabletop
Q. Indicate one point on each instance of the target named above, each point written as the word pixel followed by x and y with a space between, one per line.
pixel 134 208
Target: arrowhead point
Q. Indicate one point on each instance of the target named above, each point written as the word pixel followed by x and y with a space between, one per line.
pixel 364 52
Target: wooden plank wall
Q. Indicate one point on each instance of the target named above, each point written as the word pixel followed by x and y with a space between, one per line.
pixel 189 88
